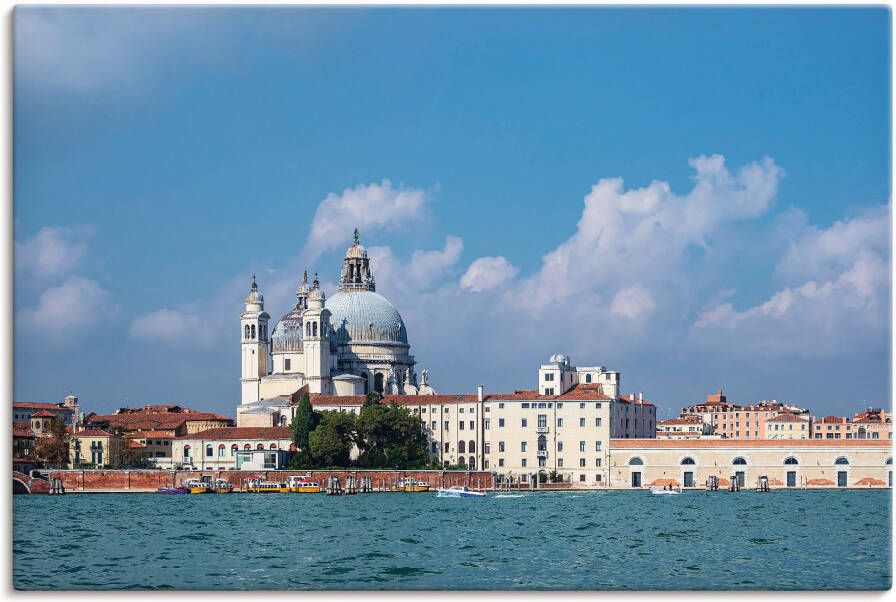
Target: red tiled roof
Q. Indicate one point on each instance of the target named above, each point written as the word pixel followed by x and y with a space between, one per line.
pixel 242 432
pixel 148 435
pixel 43 414
pixel 833 420
pixel 92 433
pixel 34 405
pixel 151 421
pixel 136 444
pixel 683 420
pixel 675 443
pixel 22 429
pixel 786 417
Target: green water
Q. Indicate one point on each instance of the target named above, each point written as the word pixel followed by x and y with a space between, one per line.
pixel 564 540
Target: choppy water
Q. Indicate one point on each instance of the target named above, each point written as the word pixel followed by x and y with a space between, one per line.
pixel 563 540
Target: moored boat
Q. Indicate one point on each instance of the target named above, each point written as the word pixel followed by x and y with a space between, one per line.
pixel 665 490
pixel 223 486
pixel 257 486
pixel 458 491
pixel 174 490
pixel 299 484
pixel 409 485
pixel 198 486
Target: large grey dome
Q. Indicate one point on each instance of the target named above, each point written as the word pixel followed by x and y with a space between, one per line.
pixel 365 316
pixel 287 334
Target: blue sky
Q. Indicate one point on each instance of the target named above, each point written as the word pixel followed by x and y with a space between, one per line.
pixel 162 156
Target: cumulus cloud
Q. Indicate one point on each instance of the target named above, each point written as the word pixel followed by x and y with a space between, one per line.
pixel 423 269
pixel 184 325
pixel 487 273
pixel 366 206
pixel 66 311
pixel 52 251
pixel 632 302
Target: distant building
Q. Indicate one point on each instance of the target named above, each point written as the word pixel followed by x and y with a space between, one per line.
pixel 683 427
pixel 220 448
pixel 171 419
pixel 90 447
pixel 787 426
pixel 872 423
pixel 741 422
pixel 67 410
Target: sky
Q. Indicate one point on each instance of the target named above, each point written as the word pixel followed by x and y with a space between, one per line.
pixel 698 198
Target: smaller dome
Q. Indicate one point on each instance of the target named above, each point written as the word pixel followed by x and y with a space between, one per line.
pixel 287 334
pixel 356 251
pixel 559 358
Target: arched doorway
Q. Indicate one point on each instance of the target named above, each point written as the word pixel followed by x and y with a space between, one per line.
pixel 378 383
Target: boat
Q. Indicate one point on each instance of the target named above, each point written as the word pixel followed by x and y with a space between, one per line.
pixel 223 486
pixel 409 485
pixel 256 486
pixel 665 490
pixel 198 486
pixel 298 484
pixel 174 490
pixel 458 491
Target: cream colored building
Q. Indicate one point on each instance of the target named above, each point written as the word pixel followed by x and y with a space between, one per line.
pixel 90 446
pixel 217 448
pixel 788 426
pixel 786 463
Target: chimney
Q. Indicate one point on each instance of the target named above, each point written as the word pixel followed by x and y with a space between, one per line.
pixel 479 389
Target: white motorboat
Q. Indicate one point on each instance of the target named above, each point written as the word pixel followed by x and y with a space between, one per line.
pixel 665 490
pixel 458 491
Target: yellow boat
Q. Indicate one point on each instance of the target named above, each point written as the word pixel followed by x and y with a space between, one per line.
pixel 409 485
pixel 254 486
pixel 223 486
pixel 198 486
pixel 303 485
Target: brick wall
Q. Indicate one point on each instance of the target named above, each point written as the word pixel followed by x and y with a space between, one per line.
pixel 151 480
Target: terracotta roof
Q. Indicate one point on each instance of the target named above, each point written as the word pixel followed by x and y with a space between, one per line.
pixel 34 405
pixel 787 418
pixel 152 421
pixel 92 433
pixel 242 432
pixel 136 444
pixel 22 429
pixel 787 443
pixel 694 420
pixel 43 414
pixel 148 435
pixel 833 420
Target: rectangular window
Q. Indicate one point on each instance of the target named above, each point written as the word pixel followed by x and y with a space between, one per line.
pixel 500 422
pixel 500 446
pixel 598 421
pixel 446 425
pixel 461 410
pixel 472 425
pixel 597 462
pixel 542 420
pixel 525 405
pixel 559 422
pixel 559 405
pixel 487 424
pixel 523 446
pixel 524 423
pixel 423 410
pixel 581 422
pixel 549 377
pixel 598 479
pixel 447 447
pixel 582 406
pixel 287 364
pixel 461 425
pixel 208 451
pixel 597 446
pixel 485 463
pixel 581 446
pixel 501 406
pixel 500 461
pixel 433 425
pixel 559 462
pixel 524 462
pixel 488 447
pixel 559 446
pixel 598 405
pixel 549 391
pixel 582 462
pixel 542 461
pixel 582 478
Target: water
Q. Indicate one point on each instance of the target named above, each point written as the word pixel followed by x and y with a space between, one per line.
pixel 563 540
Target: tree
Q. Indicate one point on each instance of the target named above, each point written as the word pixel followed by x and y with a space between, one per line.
pixel 54 447
pixel 331 441
pixel 389 436
pixel 122 455
pixel 303 422
pixel 372 398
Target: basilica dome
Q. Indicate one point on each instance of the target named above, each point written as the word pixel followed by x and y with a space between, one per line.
pixel 365 316
pixel 287 335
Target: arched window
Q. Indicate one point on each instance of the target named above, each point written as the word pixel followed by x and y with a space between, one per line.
pixel 273 446
pixel 247 332
pixel 314 329
pixel 472 463
pixel 862 434
pixel 471 447
pixel 308 329
pixel 221 449
pixel 233 449
pixel 739 461
pixel 841 460
pixel 378 383
pixel 259 446
pixel 791 460
pixel 542 443
pixel 636 461
pixel 186 452
pixel 209 451
pixel 461 461
pixel 461 447
pixel 253 331
pixel 247 446
pixel 282 420
pixel 688 461
pixel 587 378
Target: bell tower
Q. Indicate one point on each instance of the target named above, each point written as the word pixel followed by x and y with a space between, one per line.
pixel 316 338
pixel 254 344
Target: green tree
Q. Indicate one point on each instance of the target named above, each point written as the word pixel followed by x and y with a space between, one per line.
pixel 304 421
pixel 389 436
pixel 54 447
pixel 331 441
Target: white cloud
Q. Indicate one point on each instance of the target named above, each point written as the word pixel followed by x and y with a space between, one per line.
pixel 173 326
pixel 66 311
pixel 645 232
pixel 420 272
pixel 487 273
pixel 370 206
pixel 52 251
pixel 632 302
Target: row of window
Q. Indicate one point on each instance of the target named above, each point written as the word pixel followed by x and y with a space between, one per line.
pixel 210 450
pixel 738 461
pixel 249 332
